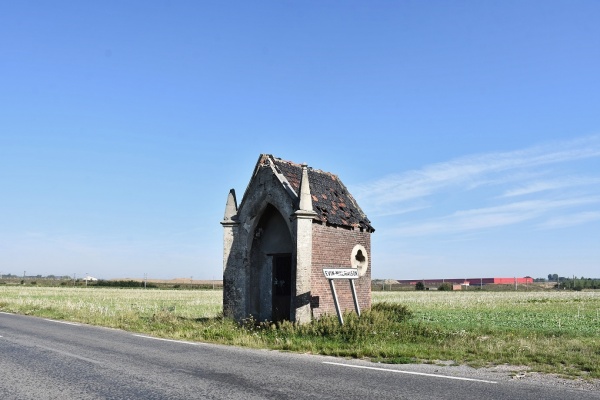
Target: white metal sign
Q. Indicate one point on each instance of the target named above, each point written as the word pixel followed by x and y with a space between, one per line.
pixel 341 273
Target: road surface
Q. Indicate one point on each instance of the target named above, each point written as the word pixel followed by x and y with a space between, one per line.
pixel 46 359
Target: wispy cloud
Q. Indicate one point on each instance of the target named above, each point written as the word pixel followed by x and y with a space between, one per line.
pixel 489 217
pixel 570 220
pixel 488 184
pixel 545 185
pixel 463 171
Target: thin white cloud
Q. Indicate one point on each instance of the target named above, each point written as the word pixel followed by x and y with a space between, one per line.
pixel 404 210
pixel 541 186
pixel 570 220
pixel 465 173
pixel 491 217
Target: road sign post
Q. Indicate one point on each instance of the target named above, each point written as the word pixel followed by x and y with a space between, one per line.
pixel 342 273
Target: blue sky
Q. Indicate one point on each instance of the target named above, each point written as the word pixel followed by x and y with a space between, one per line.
pixel 468 131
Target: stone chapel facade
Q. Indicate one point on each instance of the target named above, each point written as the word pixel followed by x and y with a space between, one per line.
pixel 292 222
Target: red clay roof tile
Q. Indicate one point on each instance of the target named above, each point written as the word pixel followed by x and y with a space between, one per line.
pixel 341 209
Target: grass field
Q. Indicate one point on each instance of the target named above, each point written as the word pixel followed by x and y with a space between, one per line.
pixel 544 313
pixel 550 331
pixel 557 332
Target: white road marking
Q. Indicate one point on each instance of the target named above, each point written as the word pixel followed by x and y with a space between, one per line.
pixel 62 322
pixel 410 372
pixel 66 353
pixel 169 340
pixel 50 320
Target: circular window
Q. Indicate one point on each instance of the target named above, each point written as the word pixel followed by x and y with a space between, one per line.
pixel 360 259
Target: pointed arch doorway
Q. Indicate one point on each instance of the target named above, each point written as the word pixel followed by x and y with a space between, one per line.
pixel 272 281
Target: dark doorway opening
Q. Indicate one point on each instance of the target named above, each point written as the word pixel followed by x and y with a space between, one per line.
pixel 282 286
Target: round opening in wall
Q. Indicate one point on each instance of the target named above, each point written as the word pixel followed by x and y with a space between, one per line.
pixel 360 259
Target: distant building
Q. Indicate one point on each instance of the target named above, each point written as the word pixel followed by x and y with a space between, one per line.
pixel 470 281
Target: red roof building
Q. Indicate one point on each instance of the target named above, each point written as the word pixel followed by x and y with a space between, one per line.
pixel 470 281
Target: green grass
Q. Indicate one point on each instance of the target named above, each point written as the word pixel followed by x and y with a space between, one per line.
pixel 542 313
pixel 550 331
pixel 557 332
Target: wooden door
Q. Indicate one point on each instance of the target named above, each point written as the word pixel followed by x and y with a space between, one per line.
pixel 282 286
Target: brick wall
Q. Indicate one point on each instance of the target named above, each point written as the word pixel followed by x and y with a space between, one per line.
pixel 332 248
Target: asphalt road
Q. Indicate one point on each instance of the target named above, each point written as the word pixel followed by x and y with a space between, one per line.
pixel 44 359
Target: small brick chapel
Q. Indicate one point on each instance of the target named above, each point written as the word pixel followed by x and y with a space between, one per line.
pixel 292 223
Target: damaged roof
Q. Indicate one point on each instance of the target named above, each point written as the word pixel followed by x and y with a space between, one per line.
pixel 331 200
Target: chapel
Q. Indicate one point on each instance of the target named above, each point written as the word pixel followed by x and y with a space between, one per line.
pixel 292 222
